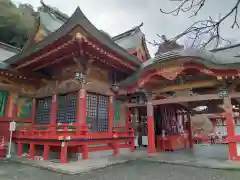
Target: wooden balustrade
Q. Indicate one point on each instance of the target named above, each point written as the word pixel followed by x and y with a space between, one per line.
pixel 61 131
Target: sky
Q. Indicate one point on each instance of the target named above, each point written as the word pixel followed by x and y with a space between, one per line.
pixel 117 16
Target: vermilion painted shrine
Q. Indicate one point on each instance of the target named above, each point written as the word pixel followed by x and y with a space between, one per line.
pixel 73 88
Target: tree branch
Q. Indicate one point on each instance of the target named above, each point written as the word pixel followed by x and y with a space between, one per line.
pixel 204 29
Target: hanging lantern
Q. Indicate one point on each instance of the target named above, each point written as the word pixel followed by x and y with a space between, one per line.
pixel 115 88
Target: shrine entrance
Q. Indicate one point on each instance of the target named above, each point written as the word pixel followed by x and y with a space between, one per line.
pixel 173 92
pixel 173 125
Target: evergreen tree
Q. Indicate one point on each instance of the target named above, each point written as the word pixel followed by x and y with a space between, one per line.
pixel 15 25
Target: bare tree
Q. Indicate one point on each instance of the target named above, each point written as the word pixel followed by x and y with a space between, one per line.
pixel 204 32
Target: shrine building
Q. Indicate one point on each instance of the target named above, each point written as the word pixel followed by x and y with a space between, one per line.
pixel 74 89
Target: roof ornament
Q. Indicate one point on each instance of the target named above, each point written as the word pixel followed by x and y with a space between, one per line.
pixel 164 38
pixel 167 45
pixel 136 28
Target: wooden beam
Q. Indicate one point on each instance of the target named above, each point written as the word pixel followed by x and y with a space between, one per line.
pixel 177 100
pixel 188 86
pixel 234 95
pixel 52 62
pixel 46 54
pixel 187 99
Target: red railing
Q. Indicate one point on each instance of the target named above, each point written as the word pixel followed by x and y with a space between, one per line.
pixel 69 131
pixel 51 131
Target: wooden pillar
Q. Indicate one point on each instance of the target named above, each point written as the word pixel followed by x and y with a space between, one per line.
pixel 33 110
pixel 15 106
pixel 127 118
pixel 9 106
pixel 81 107
pixel 63 156
pixel 32 150
pixel 110 115
pixel 115 149
pixel 230 128
pixel 190 135
pixel 85 152
pixel 46 152
pixel 151 131
pixel 20 149
pixel 214 123
pixel 54 107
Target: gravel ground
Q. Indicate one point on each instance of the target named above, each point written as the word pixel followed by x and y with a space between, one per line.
pixel 135 170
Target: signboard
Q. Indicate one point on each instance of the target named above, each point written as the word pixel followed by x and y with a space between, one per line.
pixel 12 126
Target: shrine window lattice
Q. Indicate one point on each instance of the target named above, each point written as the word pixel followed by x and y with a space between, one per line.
pixel 97 112
pixel 43 110
pixel 67 108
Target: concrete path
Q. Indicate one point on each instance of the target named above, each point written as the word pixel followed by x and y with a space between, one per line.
pixel 184 159
pixel 191 158
pixel 133 170
pixel 81 166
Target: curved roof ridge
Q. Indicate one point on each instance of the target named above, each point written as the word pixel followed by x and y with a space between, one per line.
pixel 128 32
pixel 78 18
pixel 205 57
pixel 9 47
pixel 54 10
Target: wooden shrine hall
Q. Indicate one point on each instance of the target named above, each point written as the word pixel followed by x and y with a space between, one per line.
pixel 75 89
pixel 177 84
pixel 61 87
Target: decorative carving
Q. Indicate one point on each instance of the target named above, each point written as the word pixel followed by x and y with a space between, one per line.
pixel 171 72
pixel 207 71
pixel 48 89
pixel 14 98
pixel 57 86
pixel 24 90
pixel 80 37
pixel 67 84
pixel 184 93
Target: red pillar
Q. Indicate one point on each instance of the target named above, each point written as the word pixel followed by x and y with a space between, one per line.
pixel 81 107
pixel 115 149
pixel 46 152
pixel 110 115
pixel 32 150
pixel 151 131
pixel 54 107
pixel 63 157
pixel 230 128
pixel 20 149
pixel 190 135
pixel 85 152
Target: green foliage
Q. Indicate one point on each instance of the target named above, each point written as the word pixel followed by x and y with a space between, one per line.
pixel 15 23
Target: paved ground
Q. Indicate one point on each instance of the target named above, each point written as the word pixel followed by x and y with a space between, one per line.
pixel 135 170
